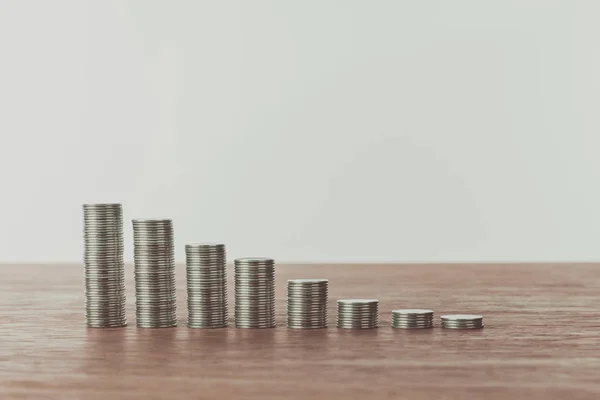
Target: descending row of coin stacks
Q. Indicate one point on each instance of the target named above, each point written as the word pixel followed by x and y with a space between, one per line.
pixel 154 259
pixel 206 270
pixel 103 264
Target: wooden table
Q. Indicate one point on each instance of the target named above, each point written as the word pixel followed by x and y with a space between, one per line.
pixel 541 340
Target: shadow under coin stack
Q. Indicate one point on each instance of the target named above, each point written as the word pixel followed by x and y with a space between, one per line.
pixel 358 313
pixel 103 266
pixel 462 321
pixel 307 303
pixel 206 271
pixel 412 319
pixel 255 293
pixel 154 257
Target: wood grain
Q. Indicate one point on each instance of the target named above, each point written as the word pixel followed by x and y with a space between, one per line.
pixel 541 341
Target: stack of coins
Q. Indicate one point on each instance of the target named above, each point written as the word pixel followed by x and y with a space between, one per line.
pixel 206 269
pixel 412 319
pixel 103 265
pixel 307 303
pixel 154 256
pixel 462 321
pixel 255 293
pixel 358 313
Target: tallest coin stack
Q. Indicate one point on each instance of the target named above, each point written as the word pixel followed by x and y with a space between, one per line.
pixel 103 265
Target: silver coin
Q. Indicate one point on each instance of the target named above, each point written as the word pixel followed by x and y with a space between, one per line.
pixel 462 321
pixel 104 271
pixel 412 311
pixel 307 303
pixel 154 273
pixel 461 317
pixel 206 273
pixel 254 292
pixel 358 313
pixel 357 301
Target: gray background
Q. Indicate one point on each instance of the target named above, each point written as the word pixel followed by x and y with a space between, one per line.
pixel 306 130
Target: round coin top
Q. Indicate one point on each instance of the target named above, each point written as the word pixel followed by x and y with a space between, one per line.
pixel 151 220
pixel 412 311
pixel 315 280
pixel 461 317
pixel 357 301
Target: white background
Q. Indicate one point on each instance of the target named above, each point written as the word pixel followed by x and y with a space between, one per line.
pixel 305 130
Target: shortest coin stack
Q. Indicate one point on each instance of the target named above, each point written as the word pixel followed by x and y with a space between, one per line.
pixel 412 319
pixel 358 313
pixel 462 321
pixel 307 303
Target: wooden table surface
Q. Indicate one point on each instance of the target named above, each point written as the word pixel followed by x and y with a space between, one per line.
pixel 541 340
